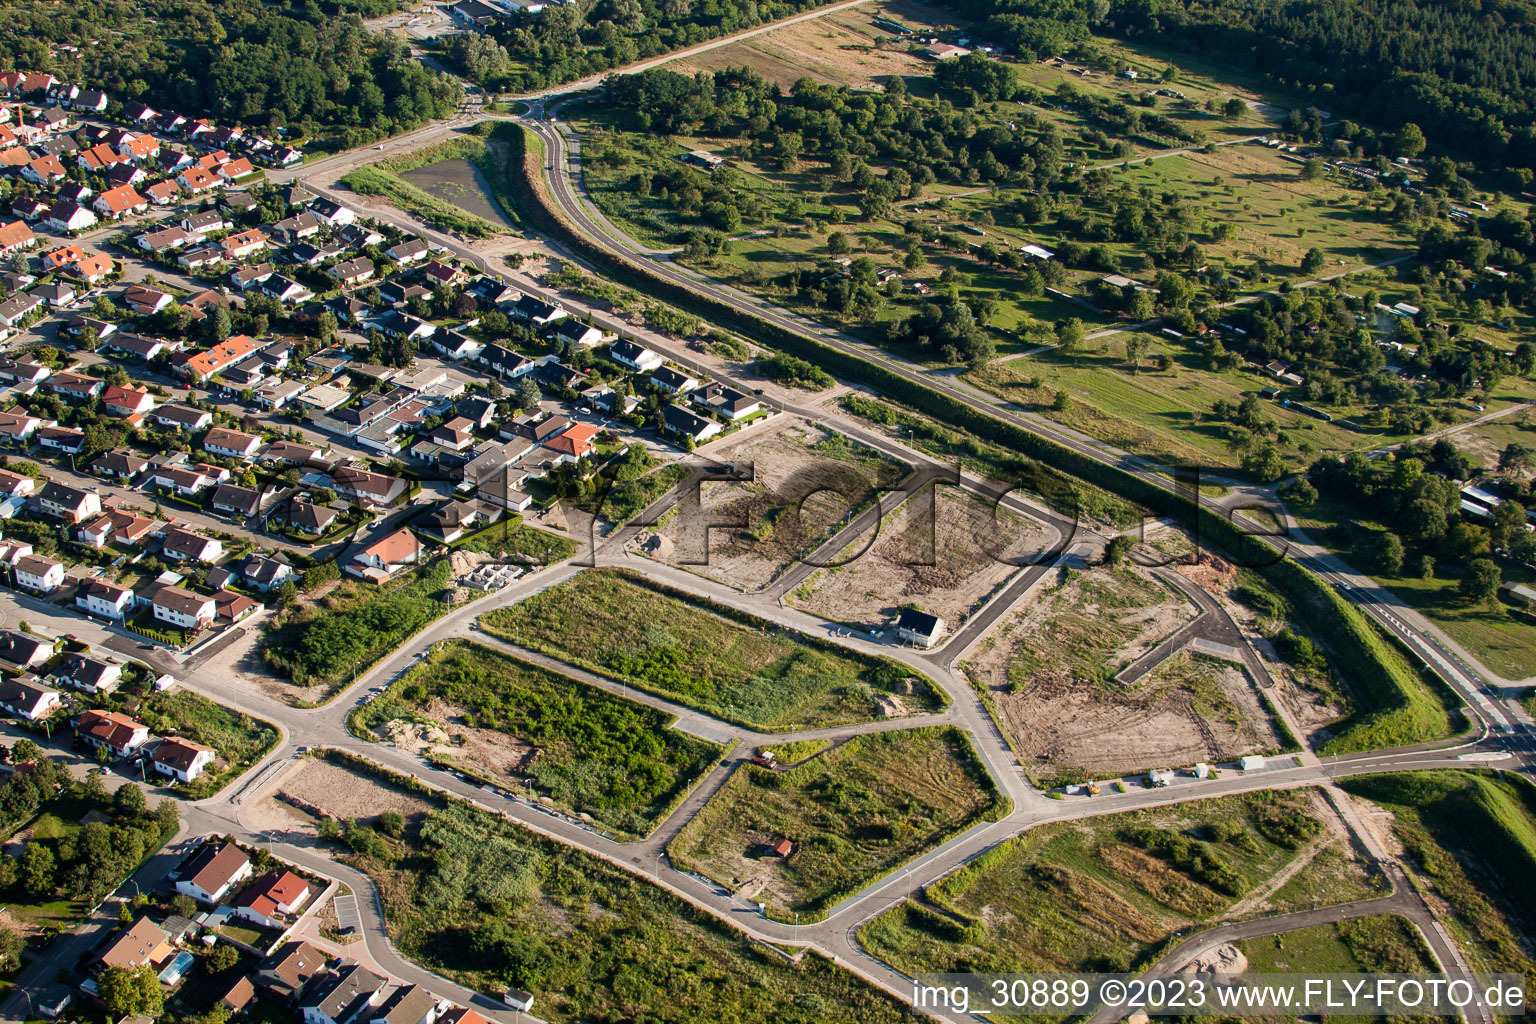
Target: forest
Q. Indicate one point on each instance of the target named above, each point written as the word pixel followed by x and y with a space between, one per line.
pixel 303 66
pixel 1465 73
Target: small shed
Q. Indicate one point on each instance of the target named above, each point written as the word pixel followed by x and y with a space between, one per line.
pixel 1160 778
pixel 783 848
pixel 1251 763
pixel 1201 770
pixel 919 627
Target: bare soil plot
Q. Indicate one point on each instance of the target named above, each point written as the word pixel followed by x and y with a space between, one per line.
pixel 945 550
pixel 806 481
pixel 1047 673
pixel 312 784
pixel 850 814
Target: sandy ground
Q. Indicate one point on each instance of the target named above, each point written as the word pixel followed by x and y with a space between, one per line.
pixel 798 488
pixel 944 550
pixel 1038 669
pixel 486 751
pixel 335 790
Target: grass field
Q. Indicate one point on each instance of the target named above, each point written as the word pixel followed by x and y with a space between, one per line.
pixel 738 668
pixel 489 904
pixel 853 814
pixel 1471 838
pixel 586 750
pixel 1103 893
pixel 1384 944
pixel 384 178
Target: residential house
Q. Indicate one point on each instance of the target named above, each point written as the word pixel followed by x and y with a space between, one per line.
pixel 575 442
pixel 93 269
pixel 577 333
pixel 304 516
pixel 410 1004
pixel 66 216
pixel 243 243
pixel 17 427
pixel 455 434
pixel 139 346
pixel 182 417
pixel 680 421
pixel 142 942
pixel 108 600
pixel 728 402
pixel 120 202
pixel 145 301
pixel 387 556
pixel 213 872
pixel 182 608
pixel 235 444
pixel 83 672
pixel 56 293
pixel 294 454
pixel 286 974
pixel 272 899
pixel 673 381
pixel 163 193
pixel 70 504
pixel 27 698
pixel 537 311
pixel 119 464
pixel 234 500
pixel 132 531
pixel 285 289
pixel 16 309
pixel 454 519
pixel 332 214
pixel 181 759
pixel 296 228
pixel 165 240
pixel 634 356
pixel 919 627
pixel 407 252
pixel 352 272
pixel 16 237
pixel 232 607
pixel 342 996
pixel 182 545
pixel 266 573
pixel 45 170
pixel 111 729
pixel 234 170
pixel 16 485
pixel 121 401
pixel 38 574
pixel 198 179
pixel 366 486
pixel 76 387
pixel 19 651
pixel 201 365
pixel 185 481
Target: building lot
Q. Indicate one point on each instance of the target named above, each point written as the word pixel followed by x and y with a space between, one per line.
pixel 806 482
pixel 848 815
pixel 1047 671
pixel 944 551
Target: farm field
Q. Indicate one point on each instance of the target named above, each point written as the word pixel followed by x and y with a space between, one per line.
pixel 1047 674
pixel 737 668
pixel 805 481
pixel 1468 837
pixel 566 743
pixel 852 814
pixel 1101 894
pixel 944 551
pixel 491 905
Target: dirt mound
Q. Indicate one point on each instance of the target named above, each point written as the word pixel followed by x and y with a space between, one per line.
pixel 417 737
pixel 1214 575
pixel 658 546
pixel 1227 959
pixel 465 562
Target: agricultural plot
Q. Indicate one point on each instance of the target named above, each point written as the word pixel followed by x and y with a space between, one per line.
pixel 1047 673
pixel 566 743
pixel 850 815
pixel 945 550
pixel 806 481
pixel 1099 894
pixel 490 905
pixel 708 657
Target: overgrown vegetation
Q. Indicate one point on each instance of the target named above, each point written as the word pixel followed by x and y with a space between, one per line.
pixel 581 747
pixel 709 657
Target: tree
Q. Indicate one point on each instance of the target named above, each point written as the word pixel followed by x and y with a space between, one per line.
pixel 1118 548
pixel 1135 347
pixel 1384 553
pixel 1481 581
pixel 1070 334
pixel 128 801
pixel 1313 261
pixel 528 394
pixel 1312 169
pixel 1234 107
pixel 131 992
pixel 37 870
pixel 392 824
pixel 1406 141
pixel 287 594
pixel 1516 459
pixel 838 244
pixel 184 905
pixel 25 750
pixel 167 817
pixel 223 957
pixel 11 945
pixel 1426 567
